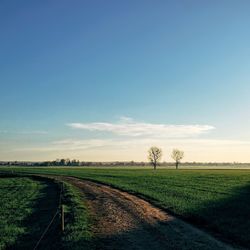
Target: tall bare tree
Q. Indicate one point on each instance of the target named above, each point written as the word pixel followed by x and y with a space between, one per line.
pixel 154 156
pixel 177 155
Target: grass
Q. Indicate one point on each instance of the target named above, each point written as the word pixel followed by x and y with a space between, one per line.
pixel 77 233
pixel 26 207
pixel 17 199
pixel 215 200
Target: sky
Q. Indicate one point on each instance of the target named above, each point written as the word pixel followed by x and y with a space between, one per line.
pixel 105 80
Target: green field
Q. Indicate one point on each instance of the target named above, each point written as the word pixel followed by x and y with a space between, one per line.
pixel 215 200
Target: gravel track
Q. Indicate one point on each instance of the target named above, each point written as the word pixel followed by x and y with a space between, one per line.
pixel 124 221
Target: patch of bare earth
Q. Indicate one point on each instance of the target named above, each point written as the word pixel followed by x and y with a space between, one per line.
pixel 124 221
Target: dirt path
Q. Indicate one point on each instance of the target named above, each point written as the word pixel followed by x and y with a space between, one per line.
pixel 124 221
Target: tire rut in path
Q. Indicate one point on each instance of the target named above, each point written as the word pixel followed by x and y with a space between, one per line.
pixel 124 221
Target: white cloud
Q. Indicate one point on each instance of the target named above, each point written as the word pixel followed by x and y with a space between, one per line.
pixel 128 127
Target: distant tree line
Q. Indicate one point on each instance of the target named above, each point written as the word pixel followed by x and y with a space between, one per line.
pixel 68 162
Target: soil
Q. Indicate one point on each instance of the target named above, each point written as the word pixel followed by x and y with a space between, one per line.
pixel 124 221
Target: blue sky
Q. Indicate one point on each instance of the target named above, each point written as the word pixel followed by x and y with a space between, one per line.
pixel 159 63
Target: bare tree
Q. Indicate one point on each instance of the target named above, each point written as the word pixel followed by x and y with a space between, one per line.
pixel 154 156
pixel 177 155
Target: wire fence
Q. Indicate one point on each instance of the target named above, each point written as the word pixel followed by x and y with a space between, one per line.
pixel 46 230
pixel 59 213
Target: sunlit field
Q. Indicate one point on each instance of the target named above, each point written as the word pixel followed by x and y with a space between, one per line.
pixel 214 200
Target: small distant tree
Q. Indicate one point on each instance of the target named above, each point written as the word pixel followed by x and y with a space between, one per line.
pixel 62 162
pixel 177 155
pixel 154 156
pixel 67 162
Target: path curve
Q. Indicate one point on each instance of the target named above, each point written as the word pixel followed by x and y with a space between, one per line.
pixel 124 221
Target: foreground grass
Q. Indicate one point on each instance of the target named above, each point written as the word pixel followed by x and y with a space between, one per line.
pixel 27 205
pixel 215 200
pixel 17 199
pixel 77 233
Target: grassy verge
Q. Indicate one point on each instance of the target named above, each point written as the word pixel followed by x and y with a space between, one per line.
pixel 77 233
